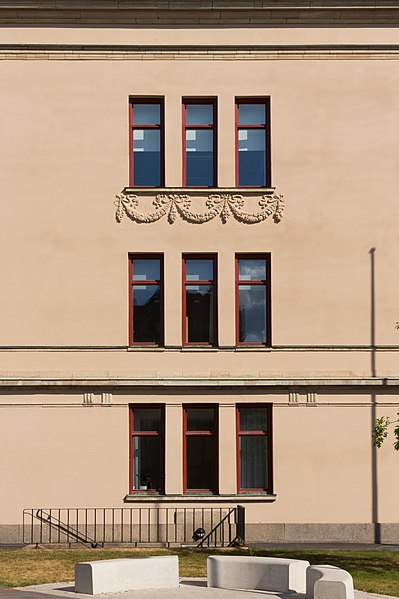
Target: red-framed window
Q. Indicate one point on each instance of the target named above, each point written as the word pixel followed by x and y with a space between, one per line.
pixel 146 309
pixel 199 299
pixel 147 142
pixel 254 448
pixel 253 160
pixel 253 299
pixel 147 448
pixel 200 448
pixel 199 142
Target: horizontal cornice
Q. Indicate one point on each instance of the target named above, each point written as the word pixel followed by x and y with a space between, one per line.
pixel 116 13
pixel 198 52
pixel 196 382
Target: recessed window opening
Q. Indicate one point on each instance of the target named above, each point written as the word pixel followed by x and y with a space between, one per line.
pixel 146 142
pixel 199 143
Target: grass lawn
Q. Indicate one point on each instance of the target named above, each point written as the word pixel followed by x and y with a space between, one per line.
pixel 372 571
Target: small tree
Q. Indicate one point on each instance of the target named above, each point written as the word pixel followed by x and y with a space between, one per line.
pixel 380 431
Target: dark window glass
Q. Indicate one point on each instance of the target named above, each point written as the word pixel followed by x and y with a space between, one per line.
pixel 147 448
pixel 200 463
pixel 253 462
pixel 254 447
pixel 146 457
pixel 147 419
pixel 252 314
pixel 199 314
pixel 200 447
pixel 253 297
pixel 147 308
pixel 200 300
pixel 200 419
pixel 253 419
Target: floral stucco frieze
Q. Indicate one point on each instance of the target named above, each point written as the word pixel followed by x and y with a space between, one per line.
pixel 223 204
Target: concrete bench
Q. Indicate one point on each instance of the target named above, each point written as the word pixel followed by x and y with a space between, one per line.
pixel 116 575
pixel 257 573
pixel 328 582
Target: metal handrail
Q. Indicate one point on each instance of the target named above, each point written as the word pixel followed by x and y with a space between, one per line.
pixel 136 526
pixel 65 528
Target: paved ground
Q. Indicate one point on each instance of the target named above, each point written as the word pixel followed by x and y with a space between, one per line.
pixel 340 546
pixel 189 588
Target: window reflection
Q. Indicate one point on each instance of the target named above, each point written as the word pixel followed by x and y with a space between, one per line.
pixel 252 299
pixel 199 114
pixel 146 300
pixel 146 114
pixel 147 157
pixel 199 157
pixel 251 114
pixel 251 157
pixel 252 314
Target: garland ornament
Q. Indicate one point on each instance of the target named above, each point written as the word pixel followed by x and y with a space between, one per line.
pixel 173 205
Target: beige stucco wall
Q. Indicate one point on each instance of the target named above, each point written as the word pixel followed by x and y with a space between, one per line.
pixel 334 131
pixel 71 455
pixel 335 125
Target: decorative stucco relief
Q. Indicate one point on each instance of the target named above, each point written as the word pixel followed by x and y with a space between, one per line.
pixel 222 205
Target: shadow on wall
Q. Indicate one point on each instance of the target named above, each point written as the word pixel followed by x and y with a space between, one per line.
pixel 373 368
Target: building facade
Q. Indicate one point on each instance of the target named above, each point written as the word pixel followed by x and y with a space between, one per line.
pixel 199 241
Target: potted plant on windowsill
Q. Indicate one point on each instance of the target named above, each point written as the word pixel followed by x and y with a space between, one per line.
pixel 145 482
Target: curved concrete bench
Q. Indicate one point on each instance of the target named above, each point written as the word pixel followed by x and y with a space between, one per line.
pixel 257 573
pixel 116 575
pixel 328 582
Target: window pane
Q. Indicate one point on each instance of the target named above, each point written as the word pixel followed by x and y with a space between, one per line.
pixel 201 463
pixel 199 270
pixel 146 314
pixel 146 463
pixel 199 314
pixel 199 114
pixel 199 157
pixel 251 114
pixel 253 419
pixel 146 114
pixel 200 419
pixel 252 313
pixel 147 419
pixel 146 157
pixel 253 462
pixel 146 270
pixel 251 157
pixel 251 270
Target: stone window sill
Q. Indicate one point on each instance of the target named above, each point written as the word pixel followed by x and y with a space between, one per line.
pixel 199 498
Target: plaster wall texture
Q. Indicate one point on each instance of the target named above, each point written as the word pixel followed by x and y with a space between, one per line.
pixel 74 159
pixel 77 456
pixel 195 35
pixel 64 266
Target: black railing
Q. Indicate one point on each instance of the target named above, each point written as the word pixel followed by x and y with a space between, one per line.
pixel 229 531
pixel 94 527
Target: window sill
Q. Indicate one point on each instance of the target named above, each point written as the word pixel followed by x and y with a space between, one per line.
pixel 200 498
